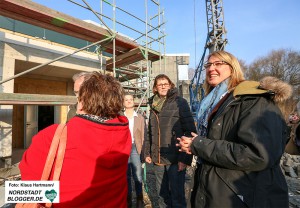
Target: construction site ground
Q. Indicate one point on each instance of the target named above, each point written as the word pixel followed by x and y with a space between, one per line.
pixel 150 197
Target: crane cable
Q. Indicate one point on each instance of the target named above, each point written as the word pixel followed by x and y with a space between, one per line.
pixel 195 34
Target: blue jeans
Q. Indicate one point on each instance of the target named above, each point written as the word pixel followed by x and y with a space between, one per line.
pixel 134 170
pixel 170 186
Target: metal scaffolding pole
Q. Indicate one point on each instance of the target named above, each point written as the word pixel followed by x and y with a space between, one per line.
pixel 118 53
pixel 54 60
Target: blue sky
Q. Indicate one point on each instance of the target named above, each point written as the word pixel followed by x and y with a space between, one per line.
pixel 254 27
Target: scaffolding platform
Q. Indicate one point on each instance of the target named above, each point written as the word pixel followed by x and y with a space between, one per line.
pixel 39 15
pixel 127 51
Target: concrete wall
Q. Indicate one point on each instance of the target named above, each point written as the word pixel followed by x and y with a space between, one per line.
pixel 19 53
pixel 7 70
pixel 169 66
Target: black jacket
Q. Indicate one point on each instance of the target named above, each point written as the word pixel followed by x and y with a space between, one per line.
pixel 174 121
pixel 241 154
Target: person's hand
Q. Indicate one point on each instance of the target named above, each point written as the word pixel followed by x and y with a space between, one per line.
pixel 181 166
pixel 194 135
pixel 185 143
pixel 148 160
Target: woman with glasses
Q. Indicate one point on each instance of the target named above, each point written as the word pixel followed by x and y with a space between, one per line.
pixel 241 137
pixel 170 117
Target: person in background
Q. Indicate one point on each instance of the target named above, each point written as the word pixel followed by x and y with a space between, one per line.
pixel 98 147
pixel 170 117
pixel 293 143
pixel 294 121
pixel 241 138
pixel 138 131
pixel 78 80
pixel 297 132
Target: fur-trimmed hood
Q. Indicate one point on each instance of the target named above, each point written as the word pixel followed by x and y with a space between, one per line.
pixel 268 85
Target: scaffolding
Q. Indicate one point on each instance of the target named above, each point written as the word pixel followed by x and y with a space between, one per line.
pixel 128 55
pixel 216 40
pixel 112 43
pixel 136 76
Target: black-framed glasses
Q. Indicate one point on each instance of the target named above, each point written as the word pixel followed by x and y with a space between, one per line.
pixel 163 85
pixel 217 64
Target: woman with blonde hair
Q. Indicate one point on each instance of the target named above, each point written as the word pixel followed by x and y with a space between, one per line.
pixel 241 138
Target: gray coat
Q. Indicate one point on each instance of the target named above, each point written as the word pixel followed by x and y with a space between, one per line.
pixel 139 132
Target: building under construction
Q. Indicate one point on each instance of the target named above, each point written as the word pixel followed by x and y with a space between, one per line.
pixel 41 49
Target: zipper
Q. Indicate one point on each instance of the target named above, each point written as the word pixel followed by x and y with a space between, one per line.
pixel 158 127
pixel 220 111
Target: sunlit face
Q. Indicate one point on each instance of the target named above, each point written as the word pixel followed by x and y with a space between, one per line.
pixel 162 87
pixel 217 72
pixel 79 109
pixel 77 85
pixel 128 101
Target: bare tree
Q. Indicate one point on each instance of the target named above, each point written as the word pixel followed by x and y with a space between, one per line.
pixel 243 65
pixel 283 64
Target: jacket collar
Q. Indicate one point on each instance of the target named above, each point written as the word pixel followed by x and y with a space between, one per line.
pixel 171 95
pixel 134 114
pixel 278 90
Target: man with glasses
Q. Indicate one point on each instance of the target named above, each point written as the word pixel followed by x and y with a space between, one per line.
pixel 78 80
pixel 170 117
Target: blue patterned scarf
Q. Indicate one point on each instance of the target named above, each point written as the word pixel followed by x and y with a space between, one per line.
pixel 207 105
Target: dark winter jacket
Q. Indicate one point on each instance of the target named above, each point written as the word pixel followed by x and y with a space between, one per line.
pixel 240 156
pixel 174 121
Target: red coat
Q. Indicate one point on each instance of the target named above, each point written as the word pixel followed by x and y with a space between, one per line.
pixel 95 164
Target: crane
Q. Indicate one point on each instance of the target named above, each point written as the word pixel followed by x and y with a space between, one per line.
pixel 216 40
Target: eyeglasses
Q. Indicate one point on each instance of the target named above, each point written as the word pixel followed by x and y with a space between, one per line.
pixel 217 64
pixel 163 85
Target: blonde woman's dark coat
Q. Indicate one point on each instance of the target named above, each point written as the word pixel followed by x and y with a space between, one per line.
pixel 241 153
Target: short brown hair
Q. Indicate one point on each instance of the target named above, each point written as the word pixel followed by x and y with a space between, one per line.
pixel 161 76
pixel 101 95
pixel 237 75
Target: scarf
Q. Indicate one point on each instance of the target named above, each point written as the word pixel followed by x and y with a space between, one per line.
pixel 94 118
pixel 158 103
pixel 207 105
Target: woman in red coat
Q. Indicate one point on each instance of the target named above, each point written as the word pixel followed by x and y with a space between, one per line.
pixel 97 152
